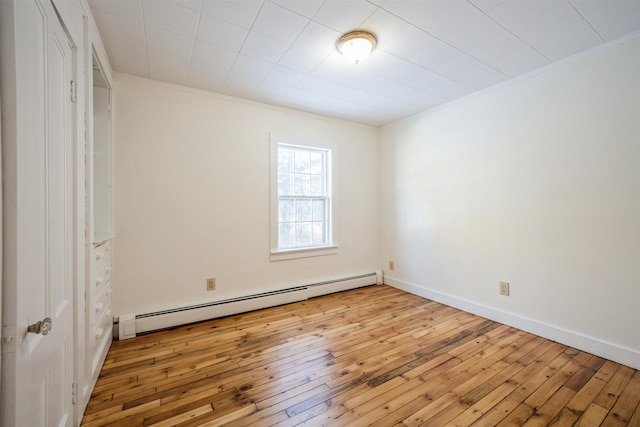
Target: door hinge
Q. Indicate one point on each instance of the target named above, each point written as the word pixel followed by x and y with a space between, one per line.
pixel 73 91
pixel 8 340
pixel 74 392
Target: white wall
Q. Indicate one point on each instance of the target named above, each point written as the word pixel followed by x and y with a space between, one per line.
pixel 536 183
pixel 191 197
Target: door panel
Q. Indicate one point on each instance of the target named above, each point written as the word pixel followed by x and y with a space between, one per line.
pixel 39 252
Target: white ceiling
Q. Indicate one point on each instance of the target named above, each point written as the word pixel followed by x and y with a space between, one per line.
pixel 283 52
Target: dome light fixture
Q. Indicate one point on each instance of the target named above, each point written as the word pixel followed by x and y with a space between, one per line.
pixel 356 46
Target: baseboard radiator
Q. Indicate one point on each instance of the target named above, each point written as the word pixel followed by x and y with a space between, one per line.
pixel 196 313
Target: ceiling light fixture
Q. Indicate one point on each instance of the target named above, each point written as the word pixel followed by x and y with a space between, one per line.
pixel 356 45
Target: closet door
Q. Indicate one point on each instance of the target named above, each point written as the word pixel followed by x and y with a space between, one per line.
pixel 39 217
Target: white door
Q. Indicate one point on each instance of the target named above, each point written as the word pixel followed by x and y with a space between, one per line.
pixel 39 249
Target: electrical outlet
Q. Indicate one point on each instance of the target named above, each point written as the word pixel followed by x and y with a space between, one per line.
pixel 392 265
pixel 504 288
pixel 211 284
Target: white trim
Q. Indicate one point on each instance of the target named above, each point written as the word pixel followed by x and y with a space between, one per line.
pixel 625 356
pixel 303 253
pixel 286 254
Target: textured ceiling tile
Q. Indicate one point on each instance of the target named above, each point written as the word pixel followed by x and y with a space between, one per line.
pixel 268 91
pixel 407 72
pixel 381 63
pixel 303 7
pixel 213 55
pixel 131 9
pixel 190 4
pixel 371 100
pixel 552 27
pixel 437 55
pixel 344 16
pixel 429 82
pixel 242 13
pixel 429 51
pixel 413 96
pixel 410 43
pixel 251 66
pixel 300 60
pixel 317 39
pixel 491 44
pixel 611 19
pixel 127 57
pixel 167 69
pixel 458 66
pixel 220 33
pixel 320 104
pixel 261 47
pixel 437 17
pixel 279 23
pixel 470 72
pixel 284 75
pixel 337 69
pixel 207 76
pixel 117 28
pixel 385 26
pixel 487 5
pixel 241 84
pixel 384 87
pixel 171 17
pixel 324 87
pixel 169 43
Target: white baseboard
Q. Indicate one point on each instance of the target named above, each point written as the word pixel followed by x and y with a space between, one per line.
pixel 147 322
pixel 600 348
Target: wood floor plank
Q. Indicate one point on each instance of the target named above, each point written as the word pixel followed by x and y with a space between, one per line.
pixel 614 388
pixel 370 356
pixel 592 416
pixel 588 392
pixel 483 406
pixel 626 404
pixel 546 413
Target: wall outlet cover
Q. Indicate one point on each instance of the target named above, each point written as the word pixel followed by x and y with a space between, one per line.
pixel 504 288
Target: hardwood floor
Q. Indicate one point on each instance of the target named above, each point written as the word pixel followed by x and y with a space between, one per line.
pixel 370 356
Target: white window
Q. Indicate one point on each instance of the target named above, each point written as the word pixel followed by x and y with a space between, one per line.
pixel 301 200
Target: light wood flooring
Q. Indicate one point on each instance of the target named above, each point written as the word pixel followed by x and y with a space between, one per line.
pixel 370 356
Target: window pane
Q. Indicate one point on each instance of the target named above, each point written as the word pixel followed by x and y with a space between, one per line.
pixel 285 184
pixel 319 235
pixel 316 185
pixel 287 235
pixel 303 210
pixel 285 159
pixel 319 211
pixel 316 159
pixel 301 185
pixel 303 204
pixel 303 234
pixel 287 210
pixel 302 161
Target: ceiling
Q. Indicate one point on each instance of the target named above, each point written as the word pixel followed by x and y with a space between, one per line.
pixel 283 52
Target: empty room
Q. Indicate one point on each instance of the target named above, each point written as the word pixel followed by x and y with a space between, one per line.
pixel 320 212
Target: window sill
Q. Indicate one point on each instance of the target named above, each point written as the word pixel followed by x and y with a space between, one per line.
pixel 303 253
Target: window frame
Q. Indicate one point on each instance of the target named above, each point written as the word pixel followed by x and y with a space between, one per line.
pixel 331 247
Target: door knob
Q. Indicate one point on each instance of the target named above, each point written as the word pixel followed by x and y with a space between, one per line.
pixel 41 327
